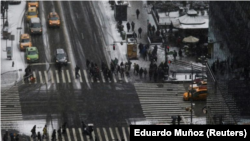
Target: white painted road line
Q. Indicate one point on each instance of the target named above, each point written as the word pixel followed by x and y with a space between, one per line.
pixel 124 133
pixel 74 133
pixel 103 79
pixel 117 132
pixel 41 77
pixel 34 74
pixel 22 77
pixel 128 130
pixel 52 77
pixel 68 134
pixel 80 131
pixel 63 77
pixel 80 76
pixel 105 134
pixel 82 36
pixel 114 78
pixel 86 76
pixel 99 134
pixel 125 77
pixel 111 133
pixel 69 80
pixel 46 77
pixel 57 77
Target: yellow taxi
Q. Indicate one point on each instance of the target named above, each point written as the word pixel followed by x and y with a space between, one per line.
pixel 54 19
pixel 200 85
pixel 197 94
pixel 31 13
pixel 33 3
pixel 25 41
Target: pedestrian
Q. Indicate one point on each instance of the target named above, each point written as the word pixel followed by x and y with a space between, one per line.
pixel 133 25
pixel 17 138
pixel 33 131
pixel 157 33
pixel 145 73
pixel 150 74
pixel 155 75
pixel 77 68
pixel 153 29
pixel 135 67
pixel 134 35
pixel 128 26
pixel 145 55
pixel 39 136
pixel 140 47
pixel 149 29
pixel 129 64
pixel 87 63
pixel 137 13
pixel 59 131
pixel 139 32
pixel 162 33
pixel 53 135
pixel 11 137
pixel 64 127
pixel 175 54
pixel 141 72
pixel 180 52
pixel 45 131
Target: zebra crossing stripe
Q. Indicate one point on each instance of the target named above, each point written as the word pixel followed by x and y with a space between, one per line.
pixel 41 78
pixel 22 77
pixel 126 80
pixel 74 133
pixel 69 80
pixel 103 79
pixel 80 131
pixel 34 74
pixel 105 134
pixel 92 80
pixel 124 133
pixel 68 134
pixel 88 139
pixel 117 132
pixel 119 76
pixel 128 130
pixel 46 77
pixel 63 77
pixel 52 77
pixel 86 76
pixel 111 133
pixel 114 78
pixel 80 76
pixel 99 134
pixel 62 138
pixel 56 136
pixel 57 77
pixel 94 137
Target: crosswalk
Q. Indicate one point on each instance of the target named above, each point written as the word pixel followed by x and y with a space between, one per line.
pixel 101 133
pixel 10 105
pixel 68 76
pixel 161 101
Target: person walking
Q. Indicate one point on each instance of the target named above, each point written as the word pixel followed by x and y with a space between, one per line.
pixel 77 71
pixel 149 29
pixel 17 138
pixel 33 131
pixel 137 13
pixel 53 135
pixel 45 131
pixel 141 72
pixel 39 138
pixel 153 30
pixel 180 52
pixel 139 32
pixel 64 127
pixel 87 63
pixel 59 132
pixel 135 67
pixel 128 26
pixel 150 74
pixel 133 25
pixel 145 73
pixel 175 54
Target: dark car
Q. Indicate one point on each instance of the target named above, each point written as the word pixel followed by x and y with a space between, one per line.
pixel 61 56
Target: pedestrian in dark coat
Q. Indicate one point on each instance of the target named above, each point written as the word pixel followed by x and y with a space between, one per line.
pixel 137 13
pixel 155 75
pixel 135 36
pixel 162 33
pixel 153 30
pixel 54 135
pixel 133 25
pixel 175 54
pixel 145 55
pixel 139 32
pixel 157 33
pixel 64 127
pixel 128 26
pixel 140 48
pixel 180 52
pixel 145 72
pixel 118 69
pixel 149 29
pixel 129 65
pixel 77 68
pixel 39 137
pixel 33 131
pixel 137 69
pixel 141 72
pixel 87 63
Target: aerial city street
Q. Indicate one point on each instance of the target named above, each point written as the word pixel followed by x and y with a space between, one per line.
pixel 87 70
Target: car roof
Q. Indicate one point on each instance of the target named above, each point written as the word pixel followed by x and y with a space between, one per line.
pixel 35 20
pixel 31 48
pixel 25 36
pixel 60 51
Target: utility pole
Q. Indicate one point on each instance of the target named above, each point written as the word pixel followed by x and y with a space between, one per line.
pixel 192 97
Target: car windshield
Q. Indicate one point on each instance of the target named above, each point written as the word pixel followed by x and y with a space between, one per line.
pixel 32 53
pixel 31 13
pixel 54 18
pixel 36 25
pixel 25 40
pixel 60 56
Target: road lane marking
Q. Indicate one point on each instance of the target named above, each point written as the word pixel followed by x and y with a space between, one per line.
pixel 125 77
pixel 34 74
pixel 63 77
pixel 75 76
pixel 82 36
pixel 68 134
pixel 114 78
pixel 69 80
pixel 128 130
pixel 94 137
pixel 86 76
pixel 52 77
pixel 41 77
pixel 124 133
pixel 111 133
pixel 103 79
pixel 105 134
pixel 62 137
pixel 99 134
pixel 22 77
pixel 46 77
pixel 74 133
pixel 117 132
pixel 35 64
pixel 80 76
pixel 57 77
pixel 80 131
pixel 119 76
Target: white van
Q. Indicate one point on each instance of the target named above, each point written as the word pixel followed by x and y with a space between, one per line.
pixel 35 26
